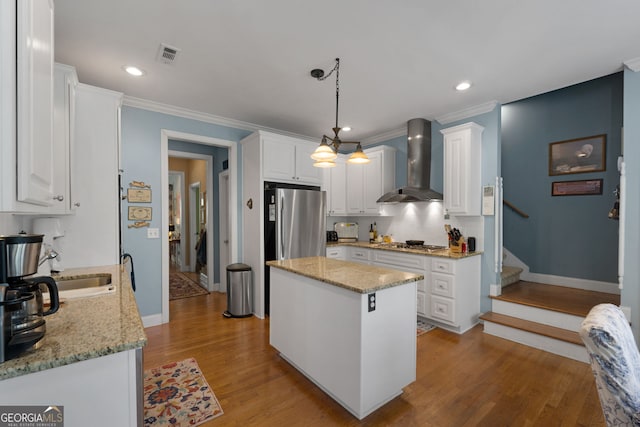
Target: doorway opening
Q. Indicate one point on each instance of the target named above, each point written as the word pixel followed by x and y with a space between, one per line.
pixel 204 201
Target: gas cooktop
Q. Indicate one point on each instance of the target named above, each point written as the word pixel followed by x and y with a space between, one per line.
pixel 401 245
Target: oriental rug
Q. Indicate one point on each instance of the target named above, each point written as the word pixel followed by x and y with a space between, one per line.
pixel 180 286
pixel 177 394
pixel 423 327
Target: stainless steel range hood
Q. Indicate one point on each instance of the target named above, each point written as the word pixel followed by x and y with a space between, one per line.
pixel 418 167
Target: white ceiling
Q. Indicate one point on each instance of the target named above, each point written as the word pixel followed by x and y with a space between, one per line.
pixel 249 60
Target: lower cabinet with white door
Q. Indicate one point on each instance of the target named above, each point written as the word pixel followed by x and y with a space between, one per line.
pixel 453 297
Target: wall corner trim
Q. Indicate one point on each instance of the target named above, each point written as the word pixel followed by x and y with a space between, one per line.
pixel 633 64
pixel 467 112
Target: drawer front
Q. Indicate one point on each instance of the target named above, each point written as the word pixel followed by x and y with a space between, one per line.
pixel 336 253
pixel 359 255
pixel 415 262
pixel 443 285
pixel 422 304
pixel 443 266
pixel 442 309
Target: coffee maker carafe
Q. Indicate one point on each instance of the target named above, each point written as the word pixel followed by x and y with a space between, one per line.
pixel 21 305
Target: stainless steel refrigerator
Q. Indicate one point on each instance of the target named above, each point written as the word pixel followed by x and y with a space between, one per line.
pixel 294 224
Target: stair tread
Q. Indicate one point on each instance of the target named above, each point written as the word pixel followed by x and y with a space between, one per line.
pixel 534 327
pixel 562 299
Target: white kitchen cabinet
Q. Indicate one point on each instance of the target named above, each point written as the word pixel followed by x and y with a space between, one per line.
pixel 26 106
pixel 367 182
pixel 462 169
pixel 65 82
pixel 85 388
pixel 335 184
pixel 286 159
pixel 96 195
pixel 337 252
pixel 453 294
pixel 418 264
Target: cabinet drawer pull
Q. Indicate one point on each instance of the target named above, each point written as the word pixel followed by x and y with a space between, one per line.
pixel 58 198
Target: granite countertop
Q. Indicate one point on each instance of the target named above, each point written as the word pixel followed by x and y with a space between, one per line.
pixel 353 276
pixel 85 328
pixel 442 253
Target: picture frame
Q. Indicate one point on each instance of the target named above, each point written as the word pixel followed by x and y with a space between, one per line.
pixel 139 213
pixel 139 195
pixel 580 155
pixel 585 187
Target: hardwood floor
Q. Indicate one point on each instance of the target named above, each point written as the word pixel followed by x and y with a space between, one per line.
pixel 462 380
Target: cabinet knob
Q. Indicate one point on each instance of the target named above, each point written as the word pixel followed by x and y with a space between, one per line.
pixel 76 204
pixel 58 198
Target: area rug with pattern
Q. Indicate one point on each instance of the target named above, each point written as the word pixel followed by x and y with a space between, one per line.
pixel 180 286
pixel 177 394
pixel 424 327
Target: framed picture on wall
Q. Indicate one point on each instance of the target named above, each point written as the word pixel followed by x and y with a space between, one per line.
pixel 579 155
pixel 584 187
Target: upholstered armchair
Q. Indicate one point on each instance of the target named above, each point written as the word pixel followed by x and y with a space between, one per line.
pixel 615 362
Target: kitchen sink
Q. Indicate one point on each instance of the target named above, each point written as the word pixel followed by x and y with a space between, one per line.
pixel 83 286
pixel 83 282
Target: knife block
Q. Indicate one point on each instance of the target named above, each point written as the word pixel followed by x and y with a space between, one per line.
pixel 456 249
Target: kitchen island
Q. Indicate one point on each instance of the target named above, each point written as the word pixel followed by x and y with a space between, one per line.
pixel 348 327
pixel 89 361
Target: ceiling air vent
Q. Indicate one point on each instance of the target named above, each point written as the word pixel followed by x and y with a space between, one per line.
pixel 167 54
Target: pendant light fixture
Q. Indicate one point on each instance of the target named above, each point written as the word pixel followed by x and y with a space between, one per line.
pixel 327 152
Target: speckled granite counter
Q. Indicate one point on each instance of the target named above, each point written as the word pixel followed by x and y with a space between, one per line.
pixel 442 253
pixel 85 328
pixel 349 275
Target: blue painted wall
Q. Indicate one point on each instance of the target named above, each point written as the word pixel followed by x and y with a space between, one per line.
pixel 141 162
pixel 630 295
pixel 219 155
pixel 567 236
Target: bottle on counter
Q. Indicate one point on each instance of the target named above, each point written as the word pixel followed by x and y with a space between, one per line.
pixel 375 232
pixel 371 234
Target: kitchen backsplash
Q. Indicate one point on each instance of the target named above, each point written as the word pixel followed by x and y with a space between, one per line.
pixel 10 224
pixel 416 221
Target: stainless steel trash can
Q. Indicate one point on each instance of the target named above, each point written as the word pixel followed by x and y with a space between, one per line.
pixel 239 291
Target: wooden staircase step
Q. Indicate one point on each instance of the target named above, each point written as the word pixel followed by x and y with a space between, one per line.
pixel 533 327
pixel 562 299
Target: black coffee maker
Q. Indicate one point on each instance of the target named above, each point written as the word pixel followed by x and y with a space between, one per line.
pixel 22 324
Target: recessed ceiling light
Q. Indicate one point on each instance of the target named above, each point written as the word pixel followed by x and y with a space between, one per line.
pixel 134 71
pixel 463 85
pixel 346 128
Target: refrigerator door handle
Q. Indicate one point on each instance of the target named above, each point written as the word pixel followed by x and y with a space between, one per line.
pixel 281 228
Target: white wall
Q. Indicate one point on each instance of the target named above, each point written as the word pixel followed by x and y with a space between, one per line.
pixel 10 224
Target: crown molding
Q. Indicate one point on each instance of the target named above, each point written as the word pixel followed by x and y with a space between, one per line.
pixel 467 112
pixel 384 136
pixel 186 113
pixel 633 64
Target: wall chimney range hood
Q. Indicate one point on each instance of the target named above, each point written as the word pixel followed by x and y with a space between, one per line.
pixel 418 167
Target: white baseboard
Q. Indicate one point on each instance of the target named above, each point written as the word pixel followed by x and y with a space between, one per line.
pixel 572 282
pixel 152 320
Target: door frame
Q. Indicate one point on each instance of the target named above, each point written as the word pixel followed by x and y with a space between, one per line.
pixel 165 136
pixel 194 224
pixel 223 227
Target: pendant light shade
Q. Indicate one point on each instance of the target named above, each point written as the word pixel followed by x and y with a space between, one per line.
pixel 358 157
pixel 326 152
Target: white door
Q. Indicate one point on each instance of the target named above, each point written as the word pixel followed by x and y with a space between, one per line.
pixel 223 214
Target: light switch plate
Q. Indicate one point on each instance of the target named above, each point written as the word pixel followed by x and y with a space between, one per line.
pixel 153 233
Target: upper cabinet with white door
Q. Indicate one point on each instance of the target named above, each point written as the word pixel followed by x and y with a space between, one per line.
pixel 334 183
pixel 26 105
pixel 64 101
pixel 462 169
pixel 286 159
pixel 367 182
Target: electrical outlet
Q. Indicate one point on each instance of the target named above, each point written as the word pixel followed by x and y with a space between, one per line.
pixel 153 233
pixel 371 301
